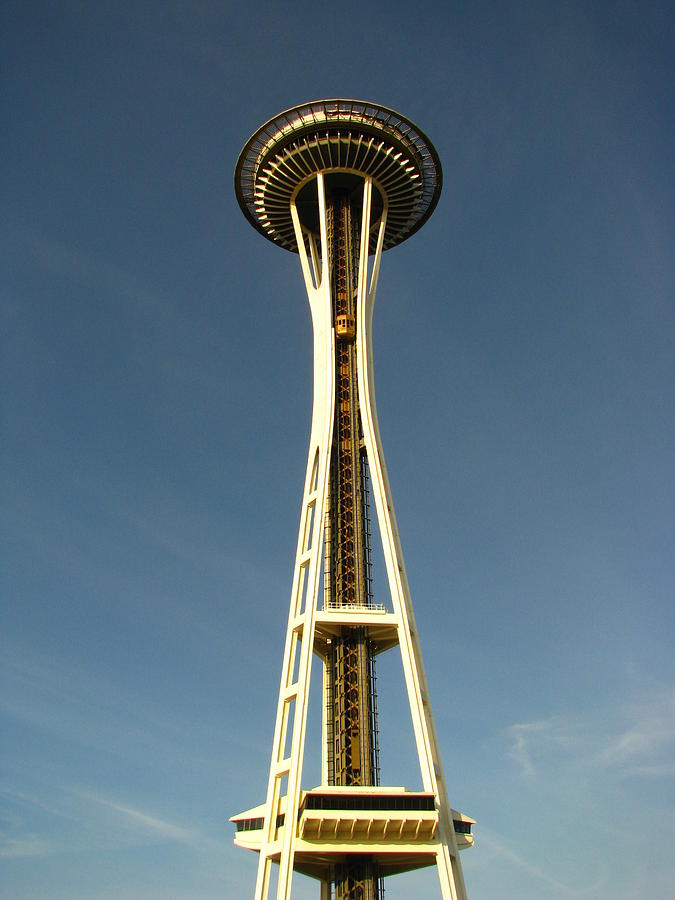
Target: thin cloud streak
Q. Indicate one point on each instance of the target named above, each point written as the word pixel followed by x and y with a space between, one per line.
pixel 59 699
pixel 519 751
pixel 29 845
pixel 635 750
pixel 149 823
pixel 80 819
pixel 143 822
pixel 498 846
pixel 652 731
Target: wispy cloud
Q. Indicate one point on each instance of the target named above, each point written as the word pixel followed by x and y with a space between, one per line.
pixel 650 732
pixel 78 703
pixel 151 825
pixel 519 751
pixel 500 847
pixel 633 739
pixel 666 770
pixel 27 845
pixel 137 826
pixel 80 819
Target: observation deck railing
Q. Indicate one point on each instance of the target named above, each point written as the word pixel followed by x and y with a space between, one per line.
pixel 354 607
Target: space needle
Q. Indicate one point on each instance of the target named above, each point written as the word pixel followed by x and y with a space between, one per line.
pixel 338 182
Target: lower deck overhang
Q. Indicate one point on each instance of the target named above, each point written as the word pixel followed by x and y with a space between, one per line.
pixel 397 829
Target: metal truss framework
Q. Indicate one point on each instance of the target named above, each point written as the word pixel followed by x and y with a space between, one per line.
pixel 305 632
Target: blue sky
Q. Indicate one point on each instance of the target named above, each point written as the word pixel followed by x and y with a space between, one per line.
pixel 156 390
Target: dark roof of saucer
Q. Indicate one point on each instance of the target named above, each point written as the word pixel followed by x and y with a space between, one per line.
pixel 346 135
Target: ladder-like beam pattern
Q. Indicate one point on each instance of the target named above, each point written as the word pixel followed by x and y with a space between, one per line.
pixel 286 764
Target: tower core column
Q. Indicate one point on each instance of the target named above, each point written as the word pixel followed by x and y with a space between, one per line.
pixel 351 732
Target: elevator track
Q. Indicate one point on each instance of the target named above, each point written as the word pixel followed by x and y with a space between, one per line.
pixel 352 749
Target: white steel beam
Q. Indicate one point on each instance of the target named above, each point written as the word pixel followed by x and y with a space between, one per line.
pixel 306 573
pixel 449 867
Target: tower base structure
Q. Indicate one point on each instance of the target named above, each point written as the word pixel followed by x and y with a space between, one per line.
pixel 338 182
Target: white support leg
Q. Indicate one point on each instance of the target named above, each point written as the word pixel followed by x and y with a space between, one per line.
pixel 449 867
pixel 286 765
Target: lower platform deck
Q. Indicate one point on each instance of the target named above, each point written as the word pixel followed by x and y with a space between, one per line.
pixel 397 829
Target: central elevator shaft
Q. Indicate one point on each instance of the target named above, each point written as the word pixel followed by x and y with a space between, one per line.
pixel 351 734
